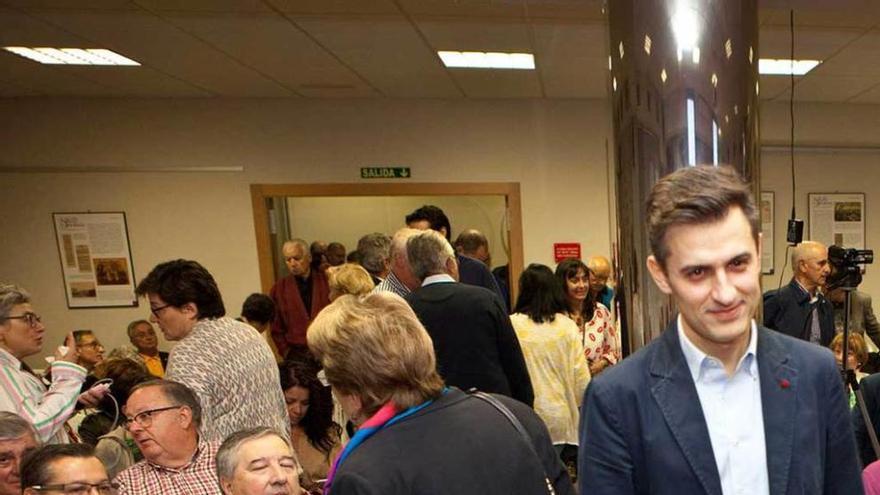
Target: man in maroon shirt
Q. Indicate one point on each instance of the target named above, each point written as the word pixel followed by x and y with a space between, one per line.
pixel 298 297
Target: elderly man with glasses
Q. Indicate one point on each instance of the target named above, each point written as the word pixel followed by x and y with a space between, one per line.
pixel 21 391
pixel 163 417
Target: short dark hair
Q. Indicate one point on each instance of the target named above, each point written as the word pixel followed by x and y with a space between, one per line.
pixel 35 465
pixel 470 241
pixel 693 196
pixel 178 393
pixel 540 294
pixel 79 334
pixel 435 217
pixel 258 308
pixel 179 282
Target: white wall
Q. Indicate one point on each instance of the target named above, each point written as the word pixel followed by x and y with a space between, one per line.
pixel 555 149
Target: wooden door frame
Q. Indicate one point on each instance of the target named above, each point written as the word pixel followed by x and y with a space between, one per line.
pixel 510 191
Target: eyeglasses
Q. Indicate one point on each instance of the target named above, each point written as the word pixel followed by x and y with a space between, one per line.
pixel 145 418
pixel 103 488
pixel 95 344
pixel 155 311
pixel 31 319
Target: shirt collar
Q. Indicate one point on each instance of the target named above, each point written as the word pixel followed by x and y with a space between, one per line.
pixel 813 297
pixel 200 448
pixel 7 358
pixel 439 278
pixel 697 360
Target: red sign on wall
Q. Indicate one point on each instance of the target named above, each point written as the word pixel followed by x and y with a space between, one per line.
pixel 562 250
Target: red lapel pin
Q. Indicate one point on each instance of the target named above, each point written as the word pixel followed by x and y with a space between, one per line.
pixel 783 384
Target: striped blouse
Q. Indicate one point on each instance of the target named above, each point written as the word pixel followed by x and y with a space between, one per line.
pixel 23 393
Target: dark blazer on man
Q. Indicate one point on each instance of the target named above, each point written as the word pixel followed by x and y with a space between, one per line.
pixel 870 386
pixel 788 310
pixel 643 430
pixel 474 340
pixel 474 272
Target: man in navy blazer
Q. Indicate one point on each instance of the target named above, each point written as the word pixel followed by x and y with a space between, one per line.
pixel 716 404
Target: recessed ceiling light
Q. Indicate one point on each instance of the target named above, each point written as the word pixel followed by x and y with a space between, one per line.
pixel 71 56
pixel 785 67
pixel 487 60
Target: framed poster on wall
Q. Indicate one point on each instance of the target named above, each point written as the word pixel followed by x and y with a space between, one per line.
pixel 768 210
pixel 95 259
pixel 837 218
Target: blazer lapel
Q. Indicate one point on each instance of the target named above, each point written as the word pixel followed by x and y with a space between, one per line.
pixel 673 388
pixel 779 389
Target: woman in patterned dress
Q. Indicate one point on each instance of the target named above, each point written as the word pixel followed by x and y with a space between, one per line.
pixel 597 330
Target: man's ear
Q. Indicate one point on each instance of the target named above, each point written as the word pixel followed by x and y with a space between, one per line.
pixel 452 268
pixel 659 275
pixel 186 416
pixel 226 486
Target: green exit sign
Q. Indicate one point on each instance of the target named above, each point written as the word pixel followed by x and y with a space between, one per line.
pixel 385 173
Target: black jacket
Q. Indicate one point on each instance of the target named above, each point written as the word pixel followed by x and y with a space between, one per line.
pixel 474 340
pixel 457 445
pixel 788 310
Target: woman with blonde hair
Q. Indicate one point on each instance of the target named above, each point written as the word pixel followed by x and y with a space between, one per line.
pixel 349 278
pixel 424 438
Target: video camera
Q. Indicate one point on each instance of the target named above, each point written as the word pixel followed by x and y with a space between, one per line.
pixel 845 269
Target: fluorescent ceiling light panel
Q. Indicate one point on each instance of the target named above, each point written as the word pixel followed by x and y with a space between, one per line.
pixel 71 56
pixel 487 60
pixel 785 67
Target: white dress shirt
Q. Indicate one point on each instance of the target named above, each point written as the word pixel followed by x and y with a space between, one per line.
pixel 734 416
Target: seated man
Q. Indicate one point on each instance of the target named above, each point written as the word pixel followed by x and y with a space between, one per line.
pixel 473 337
pixel 256 462
pixel 163 417
pixel 143 337
pixel 21 391
pixel 258 311
pixel 66 468
pixel 89 350
pixel 17 439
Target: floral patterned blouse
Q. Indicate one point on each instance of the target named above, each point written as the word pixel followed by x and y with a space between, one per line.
pixel 599 336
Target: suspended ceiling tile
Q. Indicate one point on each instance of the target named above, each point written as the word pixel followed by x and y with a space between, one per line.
pixel 859 58
pixel 823 13
pixel 386 52
pixel 810 43
pixel 832 88
pixel 74 4
pixel 472 35
pixel 870 96
pixel 487 83
pixel 274 47
pixel 205 6
pixel 45 79
pixel 137 82
pixel 155 43
pixel 572 60
pixel 21 29
pixel 773 86
pixel 335 7
pixel 567 10
pixel 472 9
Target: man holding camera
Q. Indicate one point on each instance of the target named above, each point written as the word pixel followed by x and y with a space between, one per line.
pixel 800 309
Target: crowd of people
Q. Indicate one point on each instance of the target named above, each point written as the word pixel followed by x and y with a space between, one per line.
pixel 404 367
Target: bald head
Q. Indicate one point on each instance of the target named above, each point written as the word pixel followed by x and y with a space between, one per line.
pixel 809 262
pixel 600 271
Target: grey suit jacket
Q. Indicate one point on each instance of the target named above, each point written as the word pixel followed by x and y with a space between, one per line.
pixel 862 317
pixel 643 429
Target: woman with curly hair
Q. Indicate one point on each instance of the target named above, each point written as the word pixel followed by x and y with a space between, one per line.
pixel 314 435
pixel 598 334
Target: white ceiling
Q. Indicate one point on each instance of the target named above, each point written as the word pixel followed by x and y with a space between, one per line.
pixel 387 48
